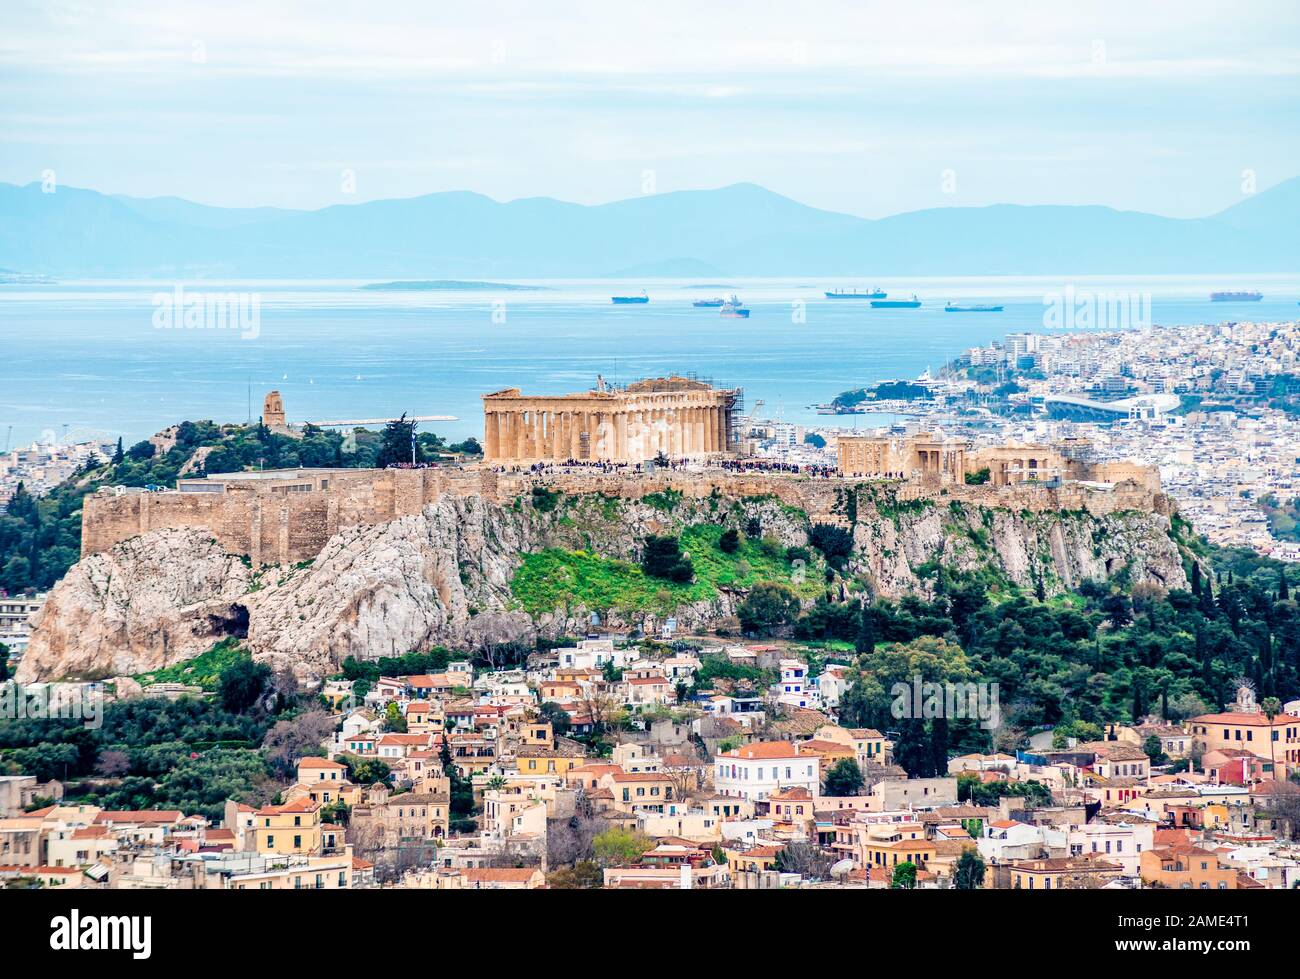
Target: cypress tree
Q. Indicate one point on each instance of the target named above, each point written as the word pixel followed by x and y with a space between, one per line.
pixel 865 641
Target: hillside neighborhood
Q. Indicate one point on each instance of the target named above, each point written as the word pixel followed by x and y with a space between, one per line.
pixel 688 765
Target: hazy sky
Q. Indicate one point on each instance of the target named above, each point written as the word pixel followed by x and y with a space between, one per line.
pixel 869 108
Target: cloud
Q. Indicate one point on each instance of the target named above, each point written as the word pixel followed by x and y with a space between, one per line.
pixel 674 39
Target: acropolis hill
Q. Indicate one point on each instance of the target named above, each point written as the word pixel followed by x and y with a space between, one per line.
pixel 312 566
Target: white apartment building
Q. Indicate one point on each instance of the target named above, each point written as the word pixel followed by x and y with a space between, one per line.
pixel 756 771
pixel 1120 843
pixel 15 629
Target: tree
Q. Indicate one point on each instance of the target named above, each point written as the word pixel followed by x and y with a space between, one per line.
pixel 620 847
pixel 904 878
pixel 365 771
pixel 118 454
pixel 1155 750
pixel 568 841
pixel 398 444
pixel 289 740
pixel 1271 707
pixel 142 451
pixel 843 778
pixel 865 641
pixel 557 716
pixel 394 720
pixel 242 684
pixel 604 709
pixel 805 859
pixel 768 606
pixel 663 558
pixel 729 542
pixel 968 875
pixel 835 543
pixel 1117 607
pixel 584 875
pixel 4 662
pixel 113 764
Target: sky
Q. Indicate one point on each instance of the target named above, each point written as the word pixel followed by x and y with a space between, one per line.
pixel 865 108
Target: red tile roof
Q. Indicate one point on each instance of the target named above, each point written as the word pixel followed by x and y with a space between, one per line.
pixel 763 749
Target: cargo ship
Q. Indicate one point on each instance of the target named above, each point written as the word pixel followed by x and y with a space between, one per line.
pixel 912 303
pixel 1236 297
pixel 971 308
pixel 629 300
pixel 855 294
pixel 734 309
pixel 708 303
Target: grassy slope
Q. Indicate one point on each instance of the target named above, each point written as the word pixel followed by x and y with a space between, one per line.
pixel 556 578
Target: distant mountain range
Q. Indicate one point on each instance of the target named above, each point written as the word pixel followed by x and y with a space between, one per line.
pixel 741 230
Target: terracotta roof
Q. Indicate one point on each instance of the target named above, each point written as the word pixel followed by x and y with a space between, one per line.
pixel 92 833
pixel 818 746
pixel 404 739
pixel 158 816
pixel 319 763
pixel 763 749
pixel 298 805
pixel 1245 720
pixel 594 768
pixel 640 777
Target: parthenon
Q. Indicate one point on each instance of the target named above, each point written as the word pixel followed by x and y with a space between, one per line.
pixel 677 416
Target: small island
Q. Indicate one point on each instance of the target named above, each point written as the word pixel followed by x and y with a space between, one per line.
pixel 849 401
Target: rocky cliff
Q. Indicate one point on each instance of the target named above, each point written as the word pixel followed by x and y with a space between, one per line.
pixel 465 573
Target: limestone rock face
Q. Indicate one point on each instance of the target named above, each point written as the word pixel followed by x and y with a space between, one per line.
pixel 142 605
pixel 443 577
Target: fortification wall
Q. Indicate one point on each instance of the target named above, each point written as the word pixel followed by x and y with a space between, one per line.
pixel 272 527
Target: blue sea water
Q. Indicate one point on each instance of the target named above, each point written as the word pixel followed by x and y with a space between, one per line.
pixel 82 358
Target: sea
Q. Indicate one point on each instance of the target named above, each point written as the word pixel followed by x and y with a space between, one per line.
pixel 102 359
